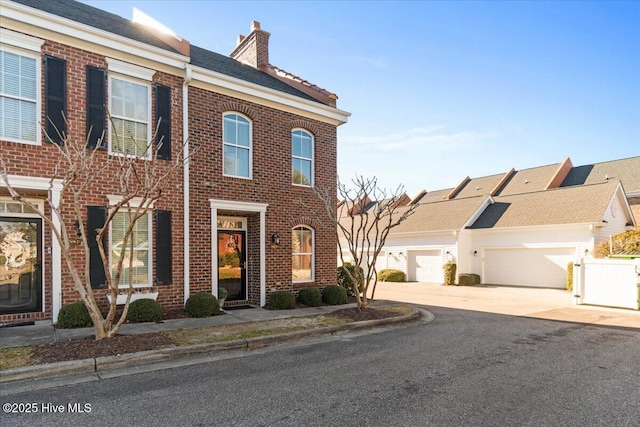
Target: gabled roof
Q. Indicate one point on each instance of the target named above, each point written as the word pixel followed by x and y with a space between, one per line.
pixel 626 170
pixel 444 215
pixel 529 180
pixel 435 196
pixel 223 64
pixel 97 18
pixel 482 186
pixel 571 205
pixel 112 23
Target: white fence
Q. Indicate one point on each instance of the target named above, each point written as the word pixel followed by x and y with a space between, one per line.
pixel 608 282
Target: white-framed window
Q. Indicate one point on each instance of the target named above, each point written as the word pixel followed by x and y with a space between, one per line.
pixel 302 254
pixel 302 158
pixel 130 109
pixel 236 142
pixel 137 253
pixel 20 98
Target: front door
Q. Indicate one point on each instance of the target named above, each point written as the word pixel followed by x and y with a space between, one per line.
pixel 20 265
pixel 231 264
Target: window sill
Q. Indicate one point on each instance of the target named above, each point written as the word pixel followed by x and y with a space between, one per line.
pixel 122 298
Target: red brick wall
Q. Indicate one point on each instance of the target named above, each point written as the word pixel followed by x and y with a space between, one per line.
pixel 270 183
pixel 39 161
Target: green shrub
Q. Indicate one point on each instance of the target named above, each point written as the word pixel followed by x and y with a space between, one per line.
pixel 310 296
pixel 468 279
pixel 391 275
pixel 345 281
pixel 334 295
pixel 449 273
pixel 202 304
pixel 282 300
pixel 144 310
pixel 222 293
pixel 74 315
pixel 570 276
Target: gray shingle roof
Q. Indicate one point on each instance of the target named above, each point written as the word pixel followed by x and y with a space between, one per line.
pixel 528 180
pixel 97 18
pixel 571 205
pixel 224 65
pixel 200 57
pixel 625 170
pixel 441 216
pixel 479 186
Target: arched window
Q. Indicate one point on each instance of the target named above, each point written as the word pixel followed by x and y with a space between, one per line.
pixel 302 254
pixel 302 158
pixel 236 139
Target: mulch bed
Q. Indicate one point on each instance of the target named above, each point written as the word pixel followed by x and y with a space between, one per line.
pixel 85 348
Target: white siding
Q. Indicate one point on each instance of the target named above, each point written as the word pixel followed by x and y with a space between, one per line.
pixel 615 221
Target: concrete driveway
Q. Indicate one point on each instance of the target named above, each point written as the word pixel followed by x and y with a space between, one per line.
pixel 540 303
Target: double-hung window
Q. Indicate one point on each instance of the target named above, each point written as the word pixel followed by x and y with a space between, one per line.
pixel 302 158
pixel 302 254
pixel 20 88
pixel 236 137
pixel 136 265
pixel 130 117
pixel 130 109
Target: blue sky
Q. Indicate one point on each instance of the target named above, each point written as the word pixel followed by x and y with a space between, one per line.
pixel 442 90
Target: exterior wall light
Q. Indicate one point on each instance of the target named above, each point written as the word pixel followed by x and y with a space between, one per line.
pixel 275 239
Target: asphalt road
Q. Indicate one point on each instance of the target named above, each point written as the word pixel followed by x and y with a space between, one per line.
pixel 465 368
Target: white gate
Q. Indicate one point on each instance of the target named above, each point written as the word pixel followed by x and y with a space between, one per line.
pixel 608 282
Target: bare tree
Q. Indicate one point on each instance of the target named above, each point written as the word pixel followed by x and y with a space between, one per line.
pixel 138 180
pixel 363 218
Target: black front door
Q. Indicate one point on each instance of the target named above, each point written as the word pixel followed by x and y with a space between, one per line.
pixel 20 265
pixel 231 264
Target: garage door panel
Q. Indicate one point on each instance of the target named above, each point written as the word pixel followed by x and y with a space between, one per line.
pixel 543 267
pixel 425 266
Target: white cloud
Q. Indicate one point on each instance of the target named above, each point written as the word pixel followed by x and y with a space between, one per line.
pixel 434 139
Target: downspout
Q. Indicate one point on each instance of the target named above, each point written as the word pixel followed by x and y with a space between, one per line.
pixel 185 179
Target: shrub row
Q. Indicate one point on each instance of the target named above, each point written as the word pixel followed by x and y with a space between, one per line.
pixel 468 279
pixel 391 275
pixel 285 300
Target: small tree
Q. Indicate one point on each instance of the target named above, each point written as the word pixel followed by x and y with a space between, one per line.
pixel 139 180
pixel 363 220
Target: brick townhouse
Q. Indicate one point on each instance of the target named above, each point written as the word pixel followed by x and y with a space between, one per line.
pixel 241 214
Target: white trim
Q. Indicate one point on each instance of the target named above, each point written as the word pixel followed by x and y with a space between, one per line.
pixel 313 254
pixel 249 148
pixel 312 159
pixel 35 55
pixel 135 202
pixel 128 69
pixel 249 207
pixel 63 26
pixel 20 40
pixel 299 105
pixel 185 185
pixel 54 187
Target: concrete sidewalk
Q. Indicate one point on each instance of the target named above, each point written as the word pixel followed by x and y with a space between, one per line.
pixel 43 332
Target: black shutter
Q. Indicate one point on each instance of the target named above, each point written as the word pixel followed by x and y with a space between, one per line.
pixel 96 218
pixel 163 116
pixel 164 264
pixel 96 117
pixel 55 101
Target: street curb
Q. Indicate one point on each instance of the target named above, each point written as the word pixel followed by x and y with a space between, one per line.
pixel 105 363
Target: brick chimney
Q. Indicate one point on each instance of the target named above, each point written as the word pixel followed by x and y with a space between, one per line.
pixel 254 48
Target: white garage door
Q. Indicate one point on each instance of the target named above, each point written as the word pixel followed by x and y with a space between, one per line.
pixel 544 267
pixel 425 266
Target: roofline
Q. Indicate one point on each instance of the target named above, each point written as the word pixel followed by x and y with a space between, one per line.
pixel 266 96
pixel 67 27
pixel 539 226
